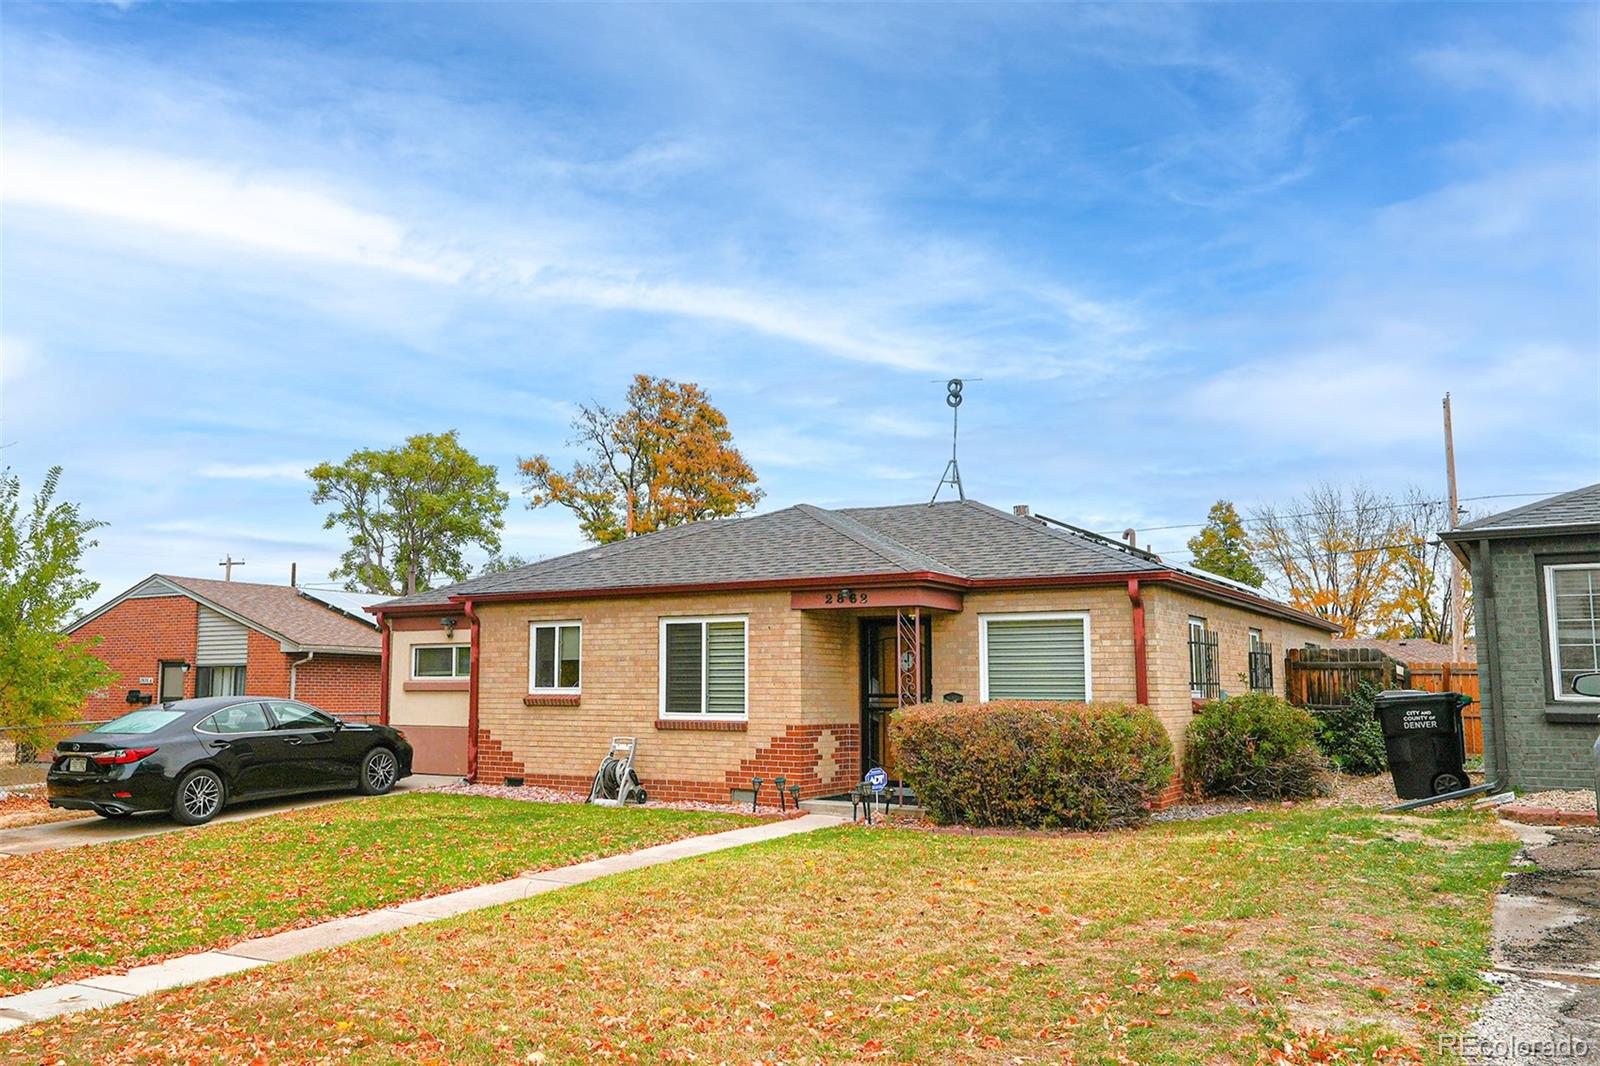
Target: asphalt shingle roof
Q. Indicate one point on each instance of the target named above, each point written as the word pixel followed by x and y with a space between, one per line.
pixel 282 609
pixel 958 539
pixel 1580 507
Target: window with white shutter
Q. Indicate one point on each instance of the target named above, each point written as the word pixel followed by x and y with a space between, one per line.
pixel 1034 656
pixel 704 668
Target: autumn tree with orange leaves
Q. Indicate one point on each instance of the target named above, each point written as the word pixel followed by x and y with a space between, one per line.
pixel 665 459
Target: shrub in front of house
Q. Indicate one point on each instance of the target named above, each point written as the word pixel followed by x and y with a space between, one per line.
pixel 1258 746
pixel 1351 736
pixel 1034 764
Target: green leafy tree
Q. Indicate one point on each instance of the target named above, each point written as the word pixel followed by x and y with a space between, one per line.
pixel 44 677
pixel 499 564
pixel 411 512
pixel 1223 548
pixel 665 459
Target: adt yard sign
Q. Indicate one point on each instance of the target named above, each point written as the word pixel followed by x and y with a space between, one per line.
pixel 877 779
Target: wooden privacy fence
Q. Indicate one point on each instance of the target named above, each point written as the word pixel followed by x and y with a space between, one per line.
pixel 1320 678
pixel 1454 677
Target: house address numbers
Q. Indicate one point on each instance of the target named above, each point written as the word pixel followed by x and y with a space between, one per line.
pixel 844 596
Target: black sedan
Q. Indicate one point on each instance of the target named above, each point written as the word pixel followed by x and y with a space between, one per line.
pixel 191 757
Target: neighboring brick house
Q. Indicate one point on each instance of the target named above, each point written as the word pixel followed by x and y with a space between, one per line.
pixel 1536 586
pixel 779 644
pixel 180 637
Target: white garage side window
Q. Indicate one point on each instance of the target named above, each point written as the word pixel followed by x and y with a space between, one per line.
pixel 440 662
pixel 1572 602
pixel 704 667
pixel 555 654
pixel 1034 656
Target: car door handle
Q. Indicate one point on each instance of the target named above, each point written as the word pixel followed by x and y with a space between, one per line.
pixel 221 743
pixel 291 740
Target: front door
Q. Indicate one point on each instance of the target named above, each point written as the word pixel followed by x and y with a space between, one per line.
pixel 880 695
pixel 171 682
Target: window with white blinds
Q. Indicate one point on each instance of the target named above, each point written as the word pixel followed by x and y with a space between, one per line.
pixel 1034 656
pixel 1572 596
pixel 703 666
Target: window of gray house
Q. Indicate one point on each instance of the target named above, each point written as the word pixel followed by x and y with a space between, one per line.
pixel 704 667
pixel 1572 598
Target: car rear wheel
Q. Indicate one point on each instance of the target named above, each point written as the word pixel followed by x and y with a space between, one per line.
pixel 379 771
pixel 199 797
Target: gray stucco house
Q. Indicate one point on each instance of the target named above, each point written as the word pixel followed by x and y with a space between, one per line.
pixel 1536 580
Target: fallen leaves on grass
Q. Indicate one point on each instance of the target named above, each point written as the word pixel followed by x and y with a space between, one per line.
pixel 100 907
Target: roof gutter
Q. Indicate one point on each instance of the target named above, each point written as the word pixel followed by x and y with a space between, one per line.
pixel 1141 661
pixel 294 672
pixel 472 694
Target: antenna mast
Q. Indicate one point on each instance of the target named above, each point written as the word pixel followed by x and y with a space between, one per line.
pixel 952 469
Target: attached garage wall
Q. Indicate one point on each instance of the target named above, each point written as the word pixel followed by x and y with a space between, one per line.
pixel 433 715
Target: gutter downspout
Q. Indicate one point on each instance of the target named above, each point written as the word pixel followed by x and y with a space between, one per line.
pixel 1493 710
pixel 472 696
pixel 294 671
pixel 383 674
pixel 1141 660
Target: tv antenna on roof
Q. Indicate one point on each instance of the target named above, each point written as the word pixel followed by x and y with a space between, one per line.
pixel 952 469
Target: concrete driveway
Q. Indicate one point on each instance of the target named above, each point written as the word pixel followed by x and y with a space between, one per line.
pixel 26 840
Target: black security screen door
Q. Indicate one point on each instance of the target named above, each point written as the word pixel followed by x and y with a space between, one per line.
pixel 879 688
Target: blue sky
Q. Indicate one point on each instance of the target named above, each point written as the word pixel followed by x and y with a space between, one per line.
pixel 1193 252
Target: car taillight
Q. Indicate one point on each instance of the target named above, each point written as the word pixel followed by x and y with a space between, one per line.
pixel 121 756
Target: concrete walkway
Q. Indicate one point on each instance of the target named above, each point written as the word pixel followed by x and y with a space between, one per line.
pixel 1546 954
pixel 53 836
pixel 90 993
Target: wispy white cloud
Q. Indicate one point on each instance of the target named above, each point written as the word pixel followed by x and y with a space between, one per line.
pixel 1561 76
pixel 290 471
pixel 209 201
pixel 17 354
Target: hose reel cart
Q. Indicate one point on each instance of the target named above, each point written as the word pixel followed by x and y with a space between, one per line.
pixel 616 783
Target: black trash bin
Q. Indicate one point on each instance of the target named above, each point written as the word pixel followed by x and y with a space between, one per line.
pixel 1426 744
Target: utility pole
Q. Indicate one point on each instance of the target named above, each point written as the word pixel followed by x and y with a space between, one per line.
pixel 1458 609
pixel 227 566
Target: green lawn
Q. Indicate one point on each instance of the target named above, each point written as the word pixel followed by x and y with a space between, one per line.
pixel 1291 933
pixel 83 910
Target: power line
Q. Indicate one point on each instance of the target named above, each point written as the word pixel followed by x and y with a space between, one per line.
pixel 1316 514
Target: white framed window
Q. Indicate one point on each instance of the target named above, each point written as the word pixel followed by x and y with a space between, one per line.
pixel 1205 682
pixel 1572 605
pixel 1034 656
pixel 705 667
pixel 555 657
pixel 441 662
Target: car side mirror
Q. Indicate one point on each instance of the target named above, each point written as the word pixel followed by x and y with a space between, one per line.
pixel 1586 684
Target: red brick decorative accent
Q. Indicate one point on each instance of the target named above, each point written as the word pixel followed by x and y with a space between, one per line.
pixel 708 726
pixel 1546 816
pixel 1170 795
pixel 435 686
pixel 495 763
pixel 796 757
pixel 534 699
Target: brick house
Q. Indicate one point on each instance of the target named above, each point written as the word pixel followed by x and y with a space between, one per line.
pixel 1536 586
pixel 180 637
pixel 780 644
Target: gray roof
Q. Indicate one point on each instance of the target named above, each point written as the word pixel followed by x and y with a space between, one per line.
pixel 1573 510
pixel 961 540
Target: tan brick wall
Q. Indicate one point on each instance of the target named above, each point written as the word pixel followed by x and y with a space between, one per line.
pixel 562 745
pixel 803 688
pixel 1167 614
pixel 955 637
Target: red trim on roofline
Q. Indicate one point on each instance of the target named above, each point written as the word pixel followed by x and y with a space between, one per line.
pixel 924 577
